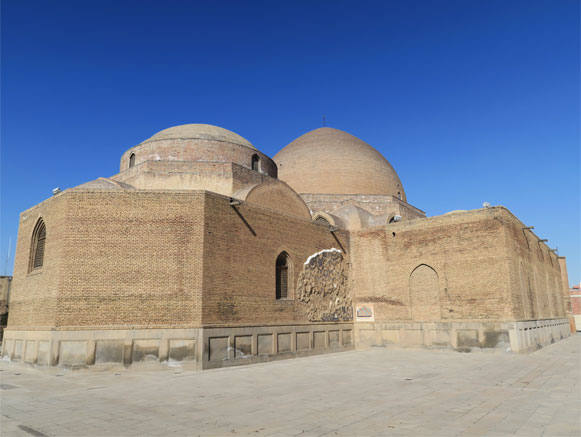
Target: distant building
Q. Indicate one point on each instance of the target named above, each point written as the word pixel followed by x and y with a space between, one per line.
pixel 204 252
pixel 5 282
pixel 576 305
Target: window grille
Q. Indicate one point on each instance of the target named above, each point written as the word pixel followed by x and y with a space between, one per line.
pixel 282 276
pixel 37 247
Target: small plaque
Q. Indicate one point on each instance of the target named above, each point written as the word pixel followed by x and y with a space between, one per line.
pixel 365 313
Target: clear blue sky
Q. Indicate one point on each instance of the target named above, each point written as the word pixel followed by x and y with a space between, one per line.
pixel 470 101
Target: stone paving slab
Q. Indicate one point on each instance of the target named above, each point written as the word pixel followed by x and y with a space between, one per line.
pixel 377 392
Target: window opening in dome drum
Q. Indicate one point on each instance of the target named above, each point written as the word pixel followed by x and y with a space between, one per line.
pixel 255 162
pixel 132 160
pixel 37 246
pixel 322 221
pixel 399 195
pixel 282 275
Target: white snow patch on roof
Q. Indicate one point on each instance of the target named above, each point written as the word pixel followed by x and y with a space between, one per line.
pixel 319 253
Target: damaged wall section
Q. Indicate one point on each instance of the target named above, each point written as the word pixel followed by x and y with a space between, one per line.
pixel 323 290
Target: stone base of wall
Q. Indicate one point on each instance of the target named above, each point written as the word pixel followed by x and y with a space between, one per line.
pixel 463 336
pixel 530 336
pixel 237 346
pixel 105 349
pixel 193 348
pixel 210 348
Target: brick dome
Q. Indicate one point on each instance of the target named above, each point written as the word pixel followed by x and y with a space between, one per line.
pixel 200 132
pixel 198 143
pixel 330 161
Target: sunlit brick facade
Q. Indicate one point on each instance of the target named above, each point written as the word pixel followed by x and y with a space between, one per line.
pixel 173 261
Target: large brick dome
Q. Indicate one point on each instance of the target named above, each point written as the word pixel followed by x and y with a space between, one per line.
pixel 330 161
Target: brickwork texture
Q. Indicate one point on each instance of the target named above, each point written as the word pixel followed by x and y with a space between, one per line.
pixel 187 236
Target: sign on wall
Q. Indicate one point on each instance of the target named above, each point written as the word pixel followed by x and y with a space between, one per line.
pixel 364 312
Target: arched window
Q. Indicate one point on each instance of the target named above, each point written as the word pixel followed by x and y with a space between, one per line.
pixel 37 246
pixel 255 162
pixel 282 276
pixel 399 195
pixel 131 160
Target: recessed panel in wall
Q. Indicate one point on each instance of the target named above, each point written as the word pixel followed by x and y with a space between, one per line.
pixel 18 347
pixel 42 353
pixel 368 337
pixel 284 342
pixel 411 337
pixel 30 351
pixel 243 346
pixel 467 338
pixel 319 340
pixel 72 353
pixel 145 350
pixel 265 344
pixel 109 351
pixel 498 339
pixel 334 339
pixel 218 348
pixel 303 341
pixel 441 337
pixel 6 348
pixel 182 350
pixel 347 337
pixel 390 336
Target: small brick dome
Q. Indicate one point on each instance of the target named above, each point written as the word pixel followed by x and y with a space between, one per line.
pixel 330 161
pixel 198 143
pixel 200 132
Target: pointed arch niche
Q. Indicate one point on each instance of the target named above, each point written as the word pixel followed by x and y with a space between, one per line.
pixel 425 294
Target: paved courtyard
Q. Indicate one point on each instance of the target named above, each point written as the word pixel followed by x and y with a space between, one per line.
pixel 373 392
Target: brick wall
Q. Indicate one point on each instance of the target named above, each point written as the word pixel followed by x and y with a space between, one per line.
pixel 135 258
pixel 241 245
pixel 33 300
pixel 132 258
pixel 536 276
pixel 5 282
pixel 565 284
pixel 576 301
pixel 463 255
pixel 112 258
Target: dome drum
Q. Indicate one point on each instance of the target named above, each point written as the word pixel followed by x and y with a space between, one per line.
pixel 199 143
pixel 196 150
